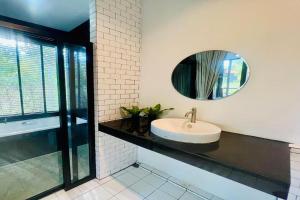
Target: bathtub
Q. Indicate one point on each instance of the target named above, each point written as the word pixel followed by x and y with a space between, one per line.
pixel 33 125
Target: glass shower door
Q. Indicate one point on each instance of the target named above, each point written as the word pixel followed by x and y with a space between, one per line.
pixel 46 116
pixel 78 116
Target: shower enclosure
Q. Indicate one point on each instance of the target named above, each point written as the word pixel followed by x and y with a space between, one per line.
pixel 46 115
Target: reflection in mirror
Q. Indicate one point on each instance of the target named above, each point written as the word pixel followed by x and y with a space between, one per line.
pixel 210 75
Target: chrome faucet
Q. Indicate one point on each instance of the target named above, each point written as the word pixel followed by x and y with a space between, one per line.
pixel 193 112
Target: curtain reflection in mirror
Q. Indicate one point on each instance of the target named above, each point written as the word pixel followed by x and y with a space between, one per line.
pixel 208 69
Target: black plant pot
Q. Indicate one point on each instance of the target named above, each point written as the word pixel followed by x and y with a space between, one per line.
pixel 135 122
pixel 150 119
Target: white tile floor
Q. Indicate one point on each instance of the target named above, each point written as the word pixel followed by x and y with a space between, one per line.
pixel 133 183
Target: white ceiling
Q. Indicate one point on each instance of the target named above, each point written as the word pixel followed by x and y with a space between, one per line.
pixel 59 14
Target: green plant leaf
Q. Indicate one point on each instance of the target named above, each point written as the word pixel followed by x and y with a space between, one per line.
pixel 154 111
pixel 167 109
pixel 145 110
pixel 157 107
pixel 125 109
pixel 133 111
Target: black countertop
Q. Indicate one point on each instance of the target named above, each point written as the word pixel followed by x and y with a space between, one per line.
pixel 259 163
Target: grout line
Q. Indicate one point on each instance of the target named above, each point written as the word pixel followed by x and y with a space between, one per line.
pixel 156 189
pixel 177 184
pixel 199 195
pixel 140 165
pixel 181 195
pixel 159 176
pixel 124 169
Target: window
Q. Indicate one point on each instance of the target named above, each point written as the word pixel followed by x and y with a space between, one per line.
pixel 50 74
pixel 82 79
pixel 9 85
pixel 28 76
pixel 232 75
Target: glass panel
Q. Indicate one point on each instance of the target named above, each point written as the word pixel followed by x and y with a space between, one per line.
pixel 83 81
pixel 67 69
pixel 30 151
pixel 51 84
pixel 76 88
pixel 31 77
pixel 30 157
pixel 9 85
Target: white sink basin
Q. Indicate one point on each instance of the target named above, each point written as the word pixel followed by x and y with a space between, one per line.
pixel 183 131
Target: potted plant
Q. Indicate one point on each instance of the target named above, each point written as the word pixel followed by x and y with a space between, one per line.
pixel 153 113
pixel 134 114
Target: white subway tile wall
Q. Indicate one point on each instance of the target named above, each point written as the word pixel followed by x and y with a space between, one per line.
pixel 115 30
pixel 294 193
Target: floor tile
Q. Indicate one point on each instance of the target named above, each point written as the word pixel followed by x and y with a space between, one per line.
pixel 88 186
pixel 63 195
pixel 159 195
pixel 128 179
pixel 143 188
pixel 129 195
pixel 218 198
pixel 114 198
pixel 98 193
pixel 292 196
pixel 200 192
pixel 190 196
pixel 114 186
pixel 154 180
pixel 139 172
pixel 50 197
pixel 74 193
pixel 172 189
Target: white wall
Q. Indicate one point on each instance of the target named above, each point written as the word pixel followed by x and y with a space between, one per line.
pixel 266 33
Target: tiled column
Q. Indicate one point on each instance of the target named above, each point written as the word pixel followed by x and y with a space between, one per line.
pixel 294 193
pixel 116 33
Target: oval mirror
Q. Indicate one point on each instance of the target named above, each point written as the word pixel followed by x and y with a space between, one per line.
pixel 210 75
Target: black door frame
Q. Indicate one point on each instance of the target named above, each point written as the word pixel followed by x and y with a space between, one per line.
pixel 91 119
pixel 60 38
